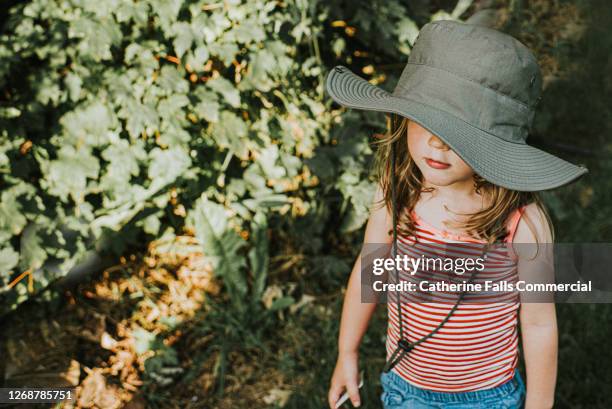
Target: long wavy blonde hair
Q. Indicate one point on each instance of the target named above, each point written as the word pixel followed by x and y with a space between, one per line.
pixel 488 224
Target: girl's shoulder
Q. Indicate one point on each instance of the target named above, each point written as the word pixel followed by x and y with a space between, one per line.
pixel 379 225
pixel 531 230
pixel 532 225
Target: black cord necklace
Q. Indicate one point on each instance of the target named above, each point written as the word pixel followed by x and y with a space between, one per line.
pixel 404 346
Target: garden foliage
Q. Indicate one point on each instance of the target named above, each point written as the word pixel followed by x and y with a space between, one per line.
pixel 121 121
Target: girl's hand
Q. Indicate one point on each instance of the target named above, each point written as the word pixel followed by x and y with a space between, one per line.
pixel 346 374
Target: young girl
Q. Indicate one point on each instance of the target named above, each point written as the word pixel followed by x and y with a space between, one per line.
pixel 455 170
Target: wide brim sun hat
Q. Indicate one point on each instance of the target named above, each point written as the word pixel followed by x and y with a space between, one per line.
pixel 475 88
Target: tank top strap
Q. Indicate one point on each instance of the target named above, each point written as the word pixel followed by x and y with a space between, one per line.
pixel 513 222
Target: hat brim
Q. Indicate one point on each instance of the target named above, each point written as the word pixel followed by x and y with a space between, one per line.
pixel 515 166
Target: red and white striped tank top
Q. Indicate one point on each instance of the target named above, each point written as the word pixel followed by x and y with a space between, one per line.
pixel 477 347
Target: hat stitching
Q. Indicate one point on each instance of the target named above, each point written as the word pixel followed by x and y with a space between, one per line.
pixel 523 104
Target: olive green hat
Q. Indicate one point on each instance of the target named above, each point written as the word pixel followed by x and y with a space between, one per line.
pixel 475 88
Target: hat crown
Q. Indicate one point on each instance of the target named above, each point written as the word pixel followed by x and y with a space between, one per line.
pixel 477 74
pixel 484 55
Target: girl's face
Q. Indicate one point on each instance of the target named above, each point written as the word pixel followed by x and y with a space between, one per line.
pixel 439 165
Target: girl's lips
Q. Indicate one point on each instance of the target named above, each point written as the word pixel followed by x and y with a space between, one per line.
pixel 437 165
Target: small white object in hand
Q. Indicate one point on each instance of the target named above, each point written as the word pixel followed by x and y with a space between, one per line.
pixel 345 395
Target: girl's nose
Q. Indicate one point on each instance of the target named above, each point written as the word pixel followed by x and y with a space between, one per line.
pixel 437 143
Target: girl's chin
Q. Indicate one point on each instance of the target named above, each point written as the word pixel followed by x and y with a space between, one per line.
pixel 437 179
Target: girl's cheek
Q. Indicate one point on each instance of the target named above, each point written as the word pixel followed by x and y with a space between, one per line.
pixel 416 146
pixel 461 167
pixel 416 156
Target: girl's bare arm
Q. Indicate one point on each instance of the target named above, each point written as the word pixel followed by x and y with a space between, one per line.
pixel 355 314
pixel 537 316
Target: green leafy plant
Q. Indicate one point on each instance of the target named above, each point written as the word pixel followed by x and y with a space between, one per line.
pixel 117 116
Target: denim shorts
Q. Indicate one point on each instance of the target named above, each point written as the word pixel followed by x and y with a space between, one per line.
pixel 399 394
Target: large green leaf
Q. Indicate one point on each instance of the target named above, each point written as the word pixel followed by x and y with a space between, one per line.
pixel 227 90
pixel 67 175
pixel 183 37
pixel 230 133
pixel 32 249
pixel 220 243
pixel 8 261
